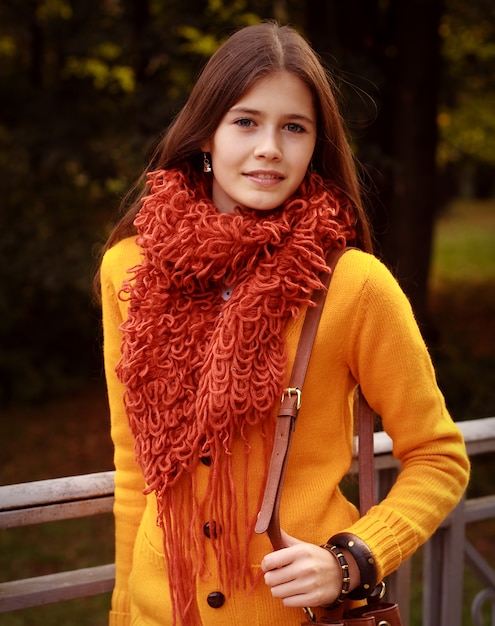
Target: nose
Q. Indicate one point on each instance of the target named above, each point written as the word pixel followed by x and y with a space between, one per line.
pixel 268 146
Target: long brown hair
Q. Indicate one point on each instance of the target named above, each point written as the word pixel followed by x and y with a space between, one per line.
pixel 248 55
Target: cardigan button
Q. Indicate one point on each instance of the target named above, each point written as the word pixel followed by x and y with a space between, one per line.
pixel 215 599
pixel 207 530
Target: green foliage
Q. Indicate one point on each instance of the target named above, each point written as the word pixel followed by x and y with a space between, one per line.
pixel 204 38
pixel 467 117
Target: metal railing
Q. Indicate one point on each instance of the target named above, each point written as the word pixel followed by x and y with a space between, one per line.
pixel 92 494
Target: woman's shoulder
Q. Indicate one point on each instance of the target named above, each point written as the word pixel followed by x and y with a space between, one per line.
pixel 121 257
pixel 360 266
pixel 359 272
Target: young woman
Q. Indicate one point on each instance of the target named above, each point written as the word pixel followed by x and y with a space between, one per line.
pixel 205 285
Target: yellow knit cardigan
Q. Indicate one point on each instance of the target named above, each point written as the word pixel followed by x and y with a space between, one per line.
pixel 367 334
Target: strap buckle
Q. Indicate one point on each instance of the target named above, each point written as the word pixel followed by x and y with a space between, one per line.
pixel 308 611
pixel 379 591
pixel 293 391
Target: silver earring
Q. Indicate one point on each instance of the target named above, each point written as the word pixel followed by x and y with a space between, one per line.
pixel 206 163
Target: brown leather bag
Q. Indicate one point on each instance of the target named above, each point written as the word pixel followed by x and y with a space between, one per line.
pixel 376 612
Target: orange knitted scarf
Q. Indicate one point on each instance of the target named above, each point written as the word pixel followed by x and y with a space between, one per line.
pixel 198 370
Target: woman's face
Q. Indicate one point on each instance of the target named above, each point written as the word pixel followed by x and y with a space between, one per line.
pixel 263 145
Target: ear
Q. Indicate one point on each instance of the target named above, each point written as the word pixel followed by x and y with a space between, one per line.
pixel 206 147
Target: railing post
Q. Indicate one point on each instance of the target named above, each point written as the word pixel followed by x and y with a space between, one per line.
pixel 443 573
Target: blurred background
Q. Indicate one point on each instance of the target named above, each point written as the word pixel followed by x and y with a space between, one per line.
pixel 86 89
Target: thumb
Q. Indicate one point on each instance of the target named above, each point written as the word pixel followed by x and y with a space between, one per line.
pixel 288 539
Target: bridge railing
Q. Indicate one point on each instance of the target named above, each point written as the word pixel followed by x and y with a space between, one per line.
pixel 92 494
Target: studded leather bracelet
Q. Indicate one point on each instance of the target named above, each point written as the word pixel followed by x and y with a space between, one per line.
pixel 365 561
pixel 344 566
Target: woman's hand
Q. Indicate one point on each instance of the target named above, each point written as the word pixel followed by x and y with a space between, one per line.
pixel 303 574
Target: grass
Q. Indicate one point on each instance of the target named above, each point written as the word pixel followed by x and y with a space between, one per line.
pixel 56 547
pixel 84 612
pixel 71 435
pixel 462 305
pixel 464 249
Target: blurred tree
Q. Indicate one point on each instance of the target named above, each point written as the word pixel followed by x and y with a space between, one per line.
pixel 396 141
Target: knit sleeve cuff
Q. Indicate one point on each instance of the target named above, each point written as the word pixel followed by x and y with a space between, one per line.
pixel 389 548
pixel 120 613
pixel 119 619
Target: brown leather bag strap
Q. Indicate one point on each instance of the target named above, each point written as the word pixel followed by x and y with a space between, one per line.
pixel 269 515
pixel 366 452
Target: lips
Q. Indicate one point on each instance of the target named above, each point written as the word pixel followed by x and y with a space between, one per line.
pixel 264 174
pixel 264 177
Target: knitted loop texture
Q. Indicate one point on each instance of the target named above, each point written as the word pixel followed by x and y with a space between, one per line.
pixel 200 372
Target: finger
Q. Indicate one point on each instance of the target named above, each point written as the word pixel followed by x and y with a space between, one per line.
pixel 277 578
pixel 280 558
pixel 275 560
pixel 303 593
pixel 294 592
pixel 299 600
